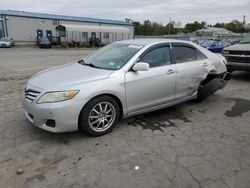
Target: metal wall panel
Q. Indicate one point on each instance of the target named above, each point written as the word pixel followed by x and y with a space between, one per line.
pixel 23 29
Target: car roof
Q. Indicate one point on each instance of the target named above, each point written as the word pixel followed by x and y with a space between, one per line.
pixel 149 41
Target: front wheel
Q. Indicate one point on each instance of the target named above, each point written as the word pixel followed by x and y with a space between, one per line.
pixel 99 116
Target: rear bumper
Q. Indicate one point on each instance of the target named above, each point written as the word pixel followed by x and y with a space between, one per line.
pixel 231 66
pixel 44 45
pixel 219 82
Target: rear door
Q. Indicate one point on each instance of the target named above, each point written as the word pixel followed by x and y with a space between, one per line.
pixel 192 67
pixel 39 34
pixel 156 86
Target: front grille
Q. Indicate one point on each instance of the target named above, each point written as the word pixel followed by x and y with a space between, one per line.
pixel 30 94
pixel 239 52
pixel 238 59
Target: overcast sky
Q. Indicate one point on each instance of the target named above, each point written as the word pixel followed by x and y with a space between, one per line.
pixel 183 11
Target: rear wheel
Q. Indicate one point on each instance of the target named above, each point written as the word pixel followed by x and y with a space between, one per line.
pixel 99 116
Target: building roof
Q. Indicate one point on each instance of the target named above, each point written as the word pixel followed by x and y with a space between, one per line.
pixel 217 31
pixel 61 17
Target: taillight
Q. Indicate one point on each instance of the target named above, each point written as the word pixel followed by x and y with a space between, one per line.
pixel 225 62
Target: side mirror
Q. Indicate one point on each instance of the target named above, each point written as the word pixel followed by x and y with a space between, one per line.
pixel 141 66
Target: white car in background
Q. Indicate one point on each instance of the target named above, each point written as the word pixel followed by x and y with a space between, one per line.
pixel 7 42
pixel 120 80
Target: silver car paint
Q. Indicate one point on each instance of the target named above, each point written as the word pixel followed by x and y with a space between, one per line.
pixel 159 87
pixel 138 92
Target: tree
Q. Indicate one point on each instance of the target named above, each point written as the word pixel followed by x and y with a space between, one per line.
pixel 221 25
pixel 154 28
pixel 235 26
pixel 137 26
pixel 191 27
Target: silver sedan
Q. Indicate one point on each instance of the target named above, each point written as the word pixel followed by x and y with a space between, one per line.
pixel 123 79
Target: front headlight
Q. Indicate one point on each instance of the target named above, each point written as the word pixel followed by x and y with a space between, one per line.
pixel 225 52
pixel 57 96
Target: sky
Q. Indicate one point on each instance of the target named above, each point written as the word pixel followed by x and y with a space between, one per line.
pixel 183 11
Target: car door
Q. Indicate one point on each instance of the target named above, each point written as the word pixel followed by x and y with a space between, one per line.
pixel 191 66
pixel 153 87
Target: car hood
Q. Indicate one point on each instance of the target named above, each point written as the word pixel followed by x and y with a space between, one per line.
pixel 67 76
pixel 239 47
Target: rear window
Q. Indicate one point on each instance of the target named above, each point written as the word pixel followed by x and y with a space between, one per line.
pixel 183 54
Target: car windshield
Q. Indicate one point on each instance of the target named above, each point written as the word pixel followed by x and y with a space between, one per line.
pixel 113 56
pixel 246 39
pixel 5 39
pixel 208 43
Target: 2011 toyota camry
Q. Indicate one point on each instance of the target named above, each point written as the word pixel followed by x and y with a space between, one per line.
pixel 123 79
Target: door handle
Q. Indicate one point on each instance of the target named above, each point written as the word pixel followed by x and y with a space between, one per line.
pixel 205 64
pixel 170 71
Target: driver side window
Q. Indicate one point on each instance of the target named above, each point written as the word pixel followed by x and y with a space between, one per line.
pixel 157 57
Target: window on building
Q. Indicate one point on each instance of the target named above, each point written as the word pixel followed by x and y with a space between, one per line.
pixel 55 22
pixel 1 29
pixel 157 57
pixel 85 36
pixel 62 33
pixel 106 35
pixel 184 54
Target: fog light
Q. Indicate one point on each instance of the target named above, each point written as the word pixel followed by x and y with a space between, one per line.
pixel 51 123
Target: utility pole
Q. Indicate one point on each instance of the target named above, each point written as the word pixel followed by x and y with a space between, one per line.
pixel 244 21
pixel 169 29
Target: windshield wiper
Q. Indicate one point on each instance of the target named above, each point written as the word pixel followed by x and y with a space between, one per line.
pixel 82 62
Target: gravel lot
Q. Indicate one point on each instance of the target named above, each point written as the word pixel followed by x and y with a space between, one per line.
pixel 189 145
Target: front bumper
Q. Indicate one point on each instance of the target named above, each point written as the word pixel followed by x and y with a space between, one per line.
pixel 64 114
pixel 231 66
pixel 5 45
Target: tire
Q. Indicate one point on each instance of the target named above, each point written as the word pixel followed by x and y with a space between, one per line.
pixel 230 70
pixel 95 120
pixel 200 95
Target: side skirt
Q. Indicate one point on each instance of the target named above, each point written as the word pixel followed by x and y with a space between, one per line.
pixel 158 107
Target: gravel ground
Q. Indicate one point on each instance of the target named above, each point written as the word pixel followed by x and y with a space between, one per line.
pixel 188 145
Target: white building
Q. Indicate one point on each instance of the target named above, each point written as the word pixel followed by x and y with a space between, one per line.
pixel 26 27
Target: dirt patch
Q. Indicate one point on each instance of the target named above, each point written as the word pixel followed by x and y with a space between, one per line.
pixel 15 78
pixel 159 119
pixel 47 165
pixel 241 106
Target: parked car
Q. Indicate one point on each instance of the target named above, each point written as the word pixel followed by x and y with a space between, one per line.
pixel 7 42
pixel 238 55
pixel 120 80
pixel 234 41
pixel 44 42
pixel 214 46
